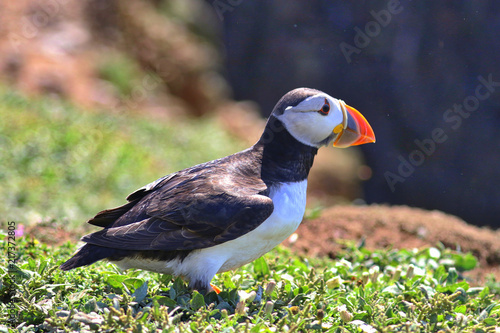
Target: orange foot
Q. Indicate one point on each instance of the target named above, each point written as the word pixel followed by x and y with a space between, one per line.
pixel 215 288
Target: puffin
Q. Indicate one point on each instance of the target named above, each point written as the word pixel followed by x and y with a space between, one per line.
pixel 220 215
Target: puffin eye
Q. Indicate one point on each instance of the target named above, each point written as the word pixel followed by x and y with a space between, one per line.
pixel 325 109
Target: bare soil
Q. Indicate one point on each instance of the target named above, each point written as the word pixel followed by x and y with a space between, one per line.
pixel 397 227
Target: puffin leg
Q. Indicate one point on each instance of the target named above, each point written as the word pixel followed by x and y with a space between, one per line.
pixel 204 287
pixel 215 288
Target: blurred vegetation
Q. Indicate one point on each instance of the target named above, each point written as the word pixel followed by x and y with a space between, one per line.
pixel 120 71
pixel 61 161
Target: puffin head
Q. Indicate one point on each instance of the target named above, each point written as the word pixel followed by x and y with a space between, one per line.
pixel 316 119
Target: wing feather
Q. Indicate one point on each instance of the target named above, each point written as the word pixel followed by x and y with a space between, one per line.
pixel 196 208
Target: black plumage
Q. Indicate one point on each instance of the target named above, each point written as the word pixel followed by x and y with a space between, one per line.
pixel 204 205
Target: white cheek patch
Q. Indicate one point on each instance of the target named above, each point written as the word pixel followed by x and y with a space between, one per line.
pixel 307 125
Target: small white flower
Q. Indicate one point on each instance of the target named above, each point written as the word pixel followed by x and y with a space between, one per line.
pixel 268 308
pixel 364 277
pixel 364 326
pixel 410 271
pixel 334 282
pixel 270 288
pixel 397 273
pixel 345 315
pixel 240 308
pixel 374 273
pixel 461 319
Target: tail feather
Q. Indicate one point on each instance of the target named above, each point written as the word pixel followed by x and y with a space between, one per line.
pixel 87 255
pixel 108 216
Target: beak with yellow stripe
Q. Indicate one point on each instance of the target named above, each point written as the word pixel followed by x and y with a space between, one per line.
pixel 354 129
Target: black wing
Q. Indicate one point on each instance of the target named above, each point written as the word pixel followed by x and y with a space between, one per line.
pixel 196 208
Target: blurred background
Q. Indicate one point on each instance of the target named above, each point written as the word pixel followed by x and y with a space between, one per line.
pixel 100 97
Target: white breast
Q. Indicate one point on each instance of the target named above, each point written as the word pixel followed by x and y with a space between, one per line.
pixel 289 207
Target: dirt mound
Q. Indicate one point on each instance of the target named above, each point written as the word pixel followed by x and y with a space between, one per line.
pixel 399 227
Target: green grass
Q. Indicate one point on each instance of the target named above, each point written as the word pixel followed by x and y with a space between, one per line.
pixel 364 291
pixel 122 72
pixel 60 161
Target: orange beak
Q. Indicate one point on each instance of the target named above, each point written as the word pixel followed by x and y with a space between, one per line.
pixel 354 130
